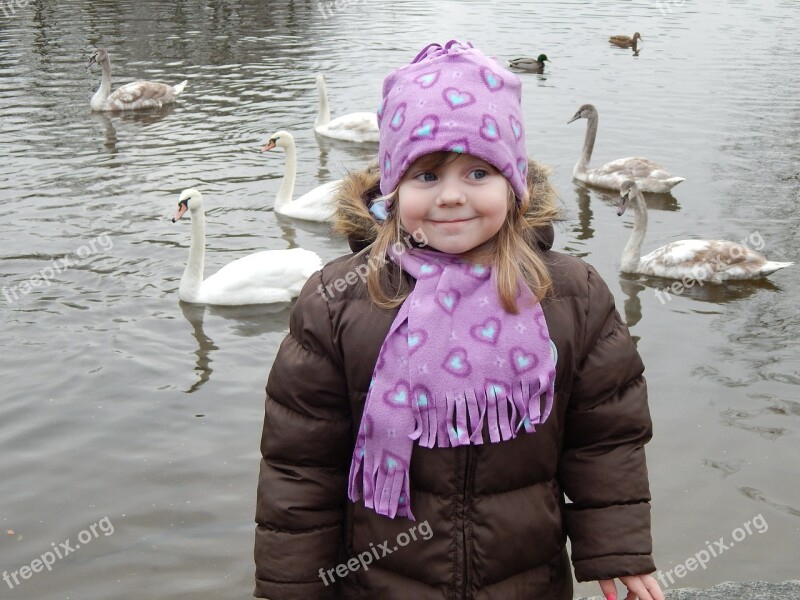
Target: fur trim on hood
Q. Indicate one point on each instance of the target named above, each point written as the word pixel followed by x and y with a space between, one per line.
pixel 354 221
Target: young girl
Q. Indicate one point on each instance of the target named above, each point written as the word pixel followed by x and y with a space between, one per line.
pixel 454 399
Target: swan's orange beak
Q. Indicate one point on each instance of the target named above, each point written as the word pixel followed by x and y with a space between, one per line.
pixel 270 145
pixel 182 208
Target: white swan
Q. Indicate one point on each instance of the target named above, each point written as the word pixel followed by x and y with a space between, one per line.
pixel 316 205
pixel 131 96
pixel 260 278
pixel 698 260
pixel 352 127
pixel 648 175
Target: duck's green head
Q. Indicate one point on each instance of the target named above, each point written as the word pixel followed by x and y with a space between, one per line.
pixel 543 57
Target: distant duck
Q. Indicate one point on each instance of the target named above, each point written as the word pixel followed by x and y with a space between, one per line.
pixel 624 41
pixel 714 261
pixel 534 65
pixel 352 127
pixel 649 176
pixel 316 205
pixel 131 96
pixel 261 278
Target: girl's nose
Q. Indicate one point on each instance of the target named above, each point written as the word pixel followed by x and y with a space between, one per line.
pixel 451 194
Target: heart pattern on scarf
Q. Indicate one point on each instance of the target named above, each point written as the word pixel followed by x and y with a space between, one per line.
pixel 457 362
pixel 416 339
pixel 522 360
pixel 448 300
pixel 487 332
pixel 399 395
pixel 455 369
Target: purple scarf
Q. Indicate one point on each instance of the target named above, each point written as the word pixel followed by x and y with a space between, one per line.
pixel 453 360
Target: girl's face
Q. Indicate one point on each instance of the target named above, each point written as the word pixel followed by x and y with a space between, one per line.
pixel 458 205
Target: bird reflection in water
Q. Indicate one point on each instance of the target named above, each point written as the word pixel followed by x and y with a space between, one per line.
pixel 248 321
pixel 141 119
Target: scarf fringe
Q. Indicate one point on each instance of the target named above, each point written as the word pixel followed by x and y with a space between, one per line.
pixel 449 420
pixel 386 491
pixel 458 418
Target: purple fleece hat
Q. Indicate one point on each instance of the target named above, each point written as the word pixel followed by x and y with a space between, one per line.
pixel 454 99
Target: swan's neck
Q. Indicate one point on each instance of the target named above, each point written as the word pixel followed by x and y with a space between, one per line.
pixel 633 250
pixel 324 114
pixel 99 98
pixel 193 273
pixel 289 173
pixel 588 145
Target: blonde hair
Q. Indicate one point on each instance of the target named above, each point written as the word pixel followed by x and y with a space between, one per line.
pixel 513 248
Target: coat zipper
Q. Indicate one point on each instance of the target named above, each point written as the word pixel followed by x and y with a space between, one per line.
pixel 465 588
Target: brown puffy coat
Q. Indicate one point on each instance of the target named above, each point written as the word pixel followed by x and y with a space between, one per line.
pixel 496 516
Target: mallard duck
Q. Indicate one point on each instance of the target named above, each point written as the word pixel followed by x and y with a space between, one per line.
pixel 624 41
pixel 648 175
pixel 262 278
pixel 534 65
pixel 131 96
pixel 714 261
pixel 316 205
pixel 352 127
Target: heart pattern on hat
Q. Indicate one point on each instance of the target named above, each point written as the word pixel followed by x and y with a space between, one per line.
pixel 477 104
pixel 461 146
pixel 427 79
pixel 516 127
pixel 427 128
pixel 399 117
pixel 492 80
pixel 490 131
pixel 457 99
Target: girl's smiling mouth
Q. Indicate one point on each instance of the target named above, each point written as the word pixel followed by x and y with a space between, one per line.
pixel 451 221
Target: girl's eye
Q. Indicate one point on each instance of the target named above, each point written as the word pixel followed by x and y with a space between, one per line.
pixel 479 173
pixel 427 177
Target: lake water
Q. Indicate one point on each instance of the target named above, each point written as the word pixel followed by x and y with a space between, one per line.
pixel 122 408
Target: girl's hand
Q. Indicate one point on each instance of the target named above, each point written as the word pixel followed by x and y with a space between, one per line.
pixel 643 587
